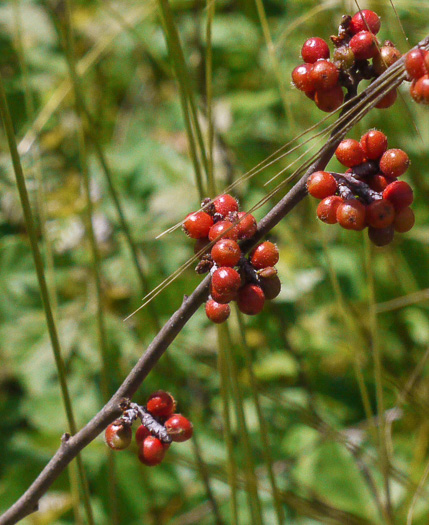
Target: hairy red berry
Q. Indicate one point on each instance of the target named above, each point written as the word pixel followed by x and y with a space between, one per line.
pixel 324 75
pixel 226 280
pixel 404 220
pixel 387 56
pixel 314 49
pixel 420 90
pixel 151 451
pixel 225 204
pixel 381 236
pixel 197 225
pixel 329 99
pixel 271 286
pixel 219 230
pixel 216 312
pixel 179 428
pixel 266 254
pixel 250 299
pixel 327 209
pixel 351 215
pixel 226 252
pixel 365 20
pixel 399 193
pixel 380 213
pixel 364 45
pixel 350 153
pixel 141 434
pixel 374 144
pixel 388 100
pixel 394 163
pixel 321 184
pixel 161 404
pixel 117 435
pixel 302 79
pixel 415 63
pixel 246 227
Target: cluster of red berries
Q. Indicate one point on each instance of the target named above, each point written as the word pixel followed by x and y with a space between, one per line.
pixel 322 79
pixel 249 281
pixel 417 66
pixel 369 193
pixel 160 425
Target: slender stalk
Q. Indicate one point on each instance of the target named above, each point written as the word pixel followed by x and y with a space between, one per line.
pixel 263 427
pixel 211 4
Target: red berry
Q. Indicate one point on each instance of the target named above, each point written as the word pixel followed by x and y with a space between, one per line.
pixel 387 56
pixel 151 452
pixel 374 144
pixel 314 49
pixel 141 434
pixel 321 184
pixel 324 75
pixel 271 286
pixel 224 297
pixel 350 153
pixel 404 220
pixel 365 20
pixel 381 236
pixel 250 299
pixel 364 45
pixel 399 193
pixel 380 213
pixel 327 209
pixel 394 163
pixel 246 226
pixel 330 99
pixel 117 435
pixel 302 79
pixel 225 204
pixel 415 63
pixel 179 428
pixel 197 225
pixel 161 404
pixel 226 280
pixel 420 90
pixel 216 312
pixel 388 100
pixel 226 252
pixel 266 254
pixel 351 215
pixel 379 183
pixel 218 230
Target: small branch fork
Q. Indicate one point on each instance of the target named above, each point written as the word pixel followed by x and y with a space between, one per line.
pixel 134 411
pixel 72 445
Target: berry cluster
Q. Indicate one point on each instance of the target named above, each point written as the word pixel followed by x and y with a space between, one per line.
pixel 249 281
pixel 322 79
pixel 159 427
pixel 369 193
pixel 417 66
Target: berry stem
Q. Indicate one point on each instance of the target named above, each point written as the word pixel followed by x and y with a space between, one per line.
pixel 351 186
pixel 155 428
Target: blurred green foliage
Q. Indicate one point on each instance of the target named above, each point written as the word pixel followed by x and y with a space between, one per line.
pixel 304 346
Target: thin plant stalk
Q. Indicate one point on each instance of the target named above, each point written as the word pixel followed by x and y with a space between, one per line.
pixel 211 5
pixel 263 427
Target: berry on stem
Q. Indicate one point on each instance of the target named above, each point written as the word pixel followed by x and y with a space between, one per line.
pixel 399 193
pixel 394 163
pixel 226 252
pixel 350 153
pixel 161 404
pixel 387 56
pixel 118 435
pixel 250 299
pixel 327 209
pixel 324 75
pixel 351 215
pixel 197 225
pixel 314 49
pixel 219 229
pixel 141 434
pixel 404 220
pixel 246 227
pixel 415 63
pixel 266 254
pixel 321 184
pixel 224 297
pixel 420 90
pixel 380 213
pixel 302 79
pixel 179 428
pixel 381 236
pixel 271 286
pixel 388 100
pixel 225 204
pixel 216 312
pixel 374 144
pixel 365 20
pixel 151 451
pixel 364 45
pixel 226 280
pixel 329 99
